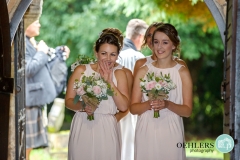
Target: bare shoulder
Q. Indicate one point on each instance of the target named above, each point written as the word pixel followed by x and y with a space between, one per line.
pixel 120 72
pixel 78 71
pixel 180 61
pixel 141 61
pixel 184 73
pixel 142 71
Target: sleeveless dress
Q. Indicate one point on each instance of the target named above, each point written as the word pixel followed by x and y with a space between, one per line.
pixel 127 133
pixel 98 139
pixel 148 60
pixel 157 138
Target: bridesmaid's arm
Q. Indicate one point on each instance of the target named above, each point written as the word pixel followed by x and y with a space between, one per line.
pixel 184 110
pixel 129 75
pixel 70 94
pixel 121 93
pixel 139 63
pixel 138 107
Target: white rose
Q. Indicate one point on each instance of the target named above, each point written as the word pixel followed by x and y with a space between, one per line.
pixel 99 82
pixel 104 91
pixel 142 84
pixel 89 89
pixel 158 86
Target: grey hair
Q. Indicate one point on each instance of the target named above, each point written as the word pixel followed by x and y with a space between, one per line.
pixel 135 27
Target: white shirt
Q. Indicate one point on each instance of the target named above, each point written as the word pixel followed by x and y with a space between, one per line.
pixel 128 57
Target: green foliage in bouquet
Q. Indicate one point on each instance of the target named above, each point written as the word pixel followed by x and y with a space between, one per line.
pixel 91 90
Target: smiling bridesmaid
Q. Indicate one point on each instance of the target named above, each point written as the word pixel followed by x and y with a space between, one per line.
pixel 99 139
pixel 157 138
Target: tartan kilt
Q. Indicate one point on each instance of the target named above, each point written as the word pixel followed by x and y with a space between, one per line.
pixel 36 133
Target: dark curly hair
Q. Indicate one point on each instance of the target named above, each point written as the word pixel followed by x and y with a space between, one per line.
pixel 111 36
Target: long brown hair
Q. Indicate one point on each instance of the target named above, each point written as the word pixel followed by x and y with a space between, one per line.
pixel 154 24
pixel 172 33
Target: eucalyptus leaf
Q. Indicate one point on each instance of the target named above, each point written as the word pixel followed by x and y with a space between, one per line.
pixel 76 99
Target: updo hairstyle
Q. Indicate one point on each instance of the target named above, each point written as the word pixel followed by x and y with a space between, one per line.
pixel 111 36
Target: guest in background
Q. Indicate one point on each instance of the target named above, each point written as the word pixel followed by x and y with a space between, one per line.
pixel 135 31
pixel 45 78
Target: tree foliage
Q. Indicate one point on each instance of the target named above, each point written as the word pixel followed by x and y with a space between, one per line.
pixel 179 11
pixel 77 24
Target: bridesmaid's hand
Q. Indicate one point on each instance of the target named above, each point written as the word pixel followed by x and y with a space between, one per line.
pixel 89 110
pixel 106 71
pixel 159 104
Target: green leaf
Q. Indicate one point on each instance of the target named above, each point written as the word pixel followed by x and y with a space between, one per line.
pixel 104 98
pixel 109 92
pixel 76 99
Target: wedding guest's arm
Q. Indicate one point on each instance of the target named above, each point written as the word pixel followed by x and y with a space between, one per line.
pixel 35 62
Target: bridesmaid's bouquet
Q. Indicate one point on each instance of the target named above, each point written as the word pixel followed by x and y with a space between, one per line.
pixel 91 91
pixel 157 87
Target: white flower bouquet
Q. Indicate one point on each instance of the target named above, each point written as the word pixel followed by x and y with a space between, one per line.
pixel 91 91
pixel 157 87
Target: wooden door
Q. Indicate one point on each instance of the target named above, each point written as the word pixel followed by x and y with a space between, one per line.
pixel 231 77
pixel 6 83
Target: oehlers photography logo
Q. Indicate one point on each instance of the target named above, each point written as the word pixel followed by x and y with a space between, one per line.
pixel 198 146
pixel 224 143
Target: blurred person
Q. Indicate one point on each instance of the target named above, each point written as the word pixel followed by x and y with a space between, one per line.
pixel 157 137
pixel 46 74
pixel 135 31
pixel 99 139
pixel 130 52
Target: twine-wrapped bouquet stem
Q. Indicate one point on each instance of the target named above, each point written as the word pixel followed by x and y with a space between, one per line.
pixel 92 102
pixel 159 96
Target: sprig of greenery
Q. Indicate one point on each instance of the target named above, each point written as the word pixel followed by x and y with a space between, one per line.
pixel 83 59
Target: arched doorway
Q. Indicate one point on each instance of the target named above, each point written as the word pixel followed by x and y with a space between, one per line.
pixel 228 24
pixel 15 31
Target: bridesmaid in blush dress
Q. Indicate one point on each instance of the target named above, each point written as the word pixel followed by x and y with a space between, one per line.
pixel 157 138
pixel 99 139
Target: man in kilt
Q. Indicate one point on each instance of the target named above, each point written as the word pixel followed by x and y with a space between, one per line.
pixel 46 74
